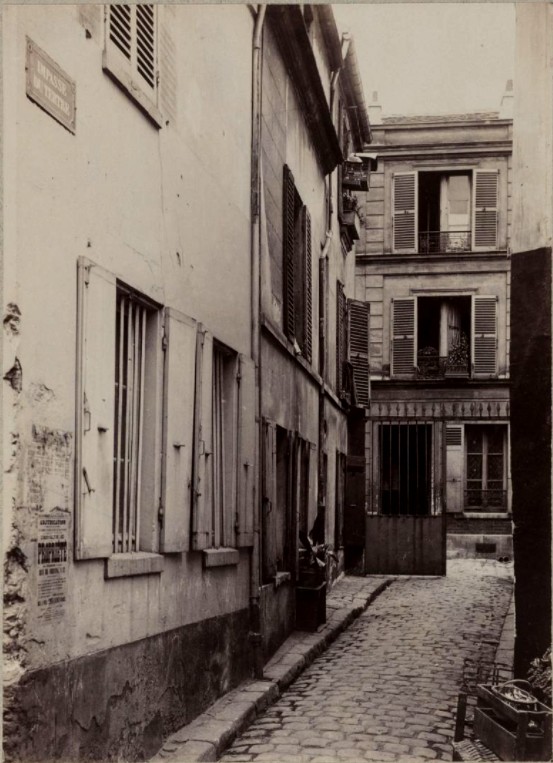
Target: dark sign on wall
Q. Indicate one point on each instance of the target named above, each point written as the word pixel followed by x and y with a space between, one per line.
pixel 50 87
pixel 355 176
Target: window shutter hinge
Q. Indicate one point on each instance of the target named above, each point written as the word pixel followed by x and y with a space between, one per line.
pixel 164 341
pixel 87 275
pixel 160 513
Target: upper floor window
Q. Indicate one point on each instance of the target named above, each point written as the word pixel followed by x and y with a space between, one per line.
pixel 437 211
pixel 297 267
pixel 449 336
pixel 130 54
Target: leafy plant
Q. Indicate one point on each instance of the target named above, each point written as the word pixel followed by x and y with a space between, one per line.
pixel 539 676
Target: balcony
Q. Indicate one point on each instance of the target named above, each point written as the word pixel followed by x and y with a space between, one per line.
pixel 438 242
pixel 485 500
pixel 431 365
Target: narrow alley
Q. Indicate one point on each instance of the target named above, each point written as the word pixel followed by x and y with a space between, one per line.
pixel 387 688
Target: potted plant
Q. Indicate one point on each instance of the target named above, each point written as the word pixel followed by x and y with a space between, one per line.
pixel 311 583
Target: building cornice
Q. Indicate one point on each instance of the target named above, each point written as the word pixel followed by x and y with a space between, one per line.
pixel 448 150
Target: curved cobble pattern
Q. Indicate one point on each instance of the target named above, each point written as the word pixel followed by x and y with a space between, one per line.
pixel 386 690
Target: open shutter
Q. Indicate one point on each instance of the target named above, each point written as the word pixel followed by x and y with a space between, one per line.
pixel 97 295
pixel 341 328
pixel 288 239
pixel 308 338
pixel 484 224
pixel 268 487
pixel 484 336
pixel 120 24
pixel 358 334
pixel 454 468
pixel 178 426
pixel 403 336
pixel 202 520
pixel 405 211
pixel 246 456
pixel 313 485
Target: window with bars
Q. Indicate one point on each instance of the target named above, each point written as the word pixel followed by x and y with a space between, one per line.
pixel 297 267
pixel 485 467
pixel 130 359
pixel 130 55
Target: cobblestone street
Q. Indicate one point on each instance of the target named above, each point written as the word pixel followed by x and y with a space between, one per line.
pixel 386 689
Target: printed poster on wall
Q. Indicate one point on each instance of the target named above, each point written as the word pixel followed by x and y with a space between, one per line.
pixel 53 534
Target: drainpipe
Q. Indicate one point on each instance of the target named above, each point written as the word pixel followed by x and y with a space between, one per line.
pixel 255 615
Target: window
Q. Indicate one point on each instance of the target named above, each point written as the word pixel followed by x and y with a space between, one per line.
pixel 444 336
pixel 485 468
pixel 128 425
pixel 130 55
pixel 225 431
pixel 297 267
pixel 437 211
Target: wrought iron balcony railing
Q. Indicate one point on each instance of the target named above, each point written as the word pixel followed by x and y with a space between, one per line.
pixel 431 242
pixel 430 365
pixel 485 500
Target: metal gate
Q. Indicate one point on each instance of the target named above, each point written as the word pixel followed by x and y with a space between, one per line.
pixel 405 523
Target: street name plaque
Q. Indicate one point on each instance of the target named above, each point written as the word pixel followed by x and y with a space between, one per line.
pixel 50 87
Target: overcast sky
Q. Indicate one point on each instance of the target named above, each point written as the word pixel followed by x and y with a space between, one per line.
pixel 427 58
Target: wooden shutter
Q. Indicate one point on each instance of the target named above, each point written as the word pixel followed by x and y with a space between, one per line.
pixel 268 487
pixel 403 336
pixel 358 334
pixel 120 28
pixel 178 430
pixel 405 210
pixel 246 455
pixel 202 520
pixel 288 241
pixel 484 336
pixel 308 325
pixel 96 300
pixel 484 224
pixel 454 468
pixel 313 484
pixel 341 328
pixel 132 31
pixel 146 44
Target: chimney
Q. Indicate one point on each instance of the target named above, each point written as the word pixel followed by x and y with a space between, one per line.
pixel 506 110
pixel 375 110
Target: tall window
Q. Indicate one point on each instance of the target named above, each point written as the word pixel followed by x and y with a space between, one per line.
pixel 130 358
pixel 297 267
pixel 224 445
pixel 485 470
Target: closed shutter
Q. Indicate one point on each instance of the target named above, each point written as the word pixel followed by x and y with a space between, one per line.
pixel 484 336
pixel 308 339
pixel 358 334
pixel 403 336
pixel 288 240
pixel 341 327
pixel 268 487
pixel 202 520
pixel 246 455
pixel 178 428
pixel 484 225
pixel 313 485
pixel 405 210
pixel 454 468
pixel 96 300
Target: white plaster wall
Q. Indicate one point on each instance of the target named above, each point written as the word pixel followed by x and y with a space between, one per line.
pixel 129 197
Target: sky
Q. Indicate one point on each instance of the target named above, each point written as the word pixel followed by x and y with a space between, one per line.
pixel 431 58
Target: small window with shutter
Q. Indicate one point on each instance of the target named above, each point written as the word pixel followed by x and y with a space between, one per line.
pixel 297 268
pixel 130 54
pixel 484 336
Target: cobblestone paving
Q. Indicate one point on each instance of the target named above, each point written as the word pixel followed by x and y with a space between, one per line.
pixel 387 688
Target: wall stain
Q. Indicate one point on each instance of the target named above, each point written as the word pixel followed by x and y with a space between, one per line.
pixel 12 319
pixel 14 376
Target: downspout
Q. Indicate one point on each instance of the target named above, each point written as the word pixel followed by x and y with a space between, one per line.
pixel 255 615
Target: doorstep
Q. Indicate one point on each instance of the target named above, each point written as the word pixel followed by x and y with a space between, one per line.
pixel 208 735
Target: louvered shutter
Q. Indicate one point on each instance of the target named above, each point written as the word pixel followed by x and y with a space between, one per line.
pixel 484 225
pixel 313 484
pixel 288 242
pixel 484 336
pixel 269 500
pixel 132 35
pixel 97 297
pixel 358 334
pixel 454 468
pixel 405 210
pixel 178 428
pixel 246 455
pixel 308 338
pixel 403 336
pixel 203 444
pixel 120 28
pixel 341 317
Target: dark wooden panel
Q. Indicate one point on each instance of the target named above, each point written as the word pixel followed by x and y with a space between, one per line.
pixel 408 545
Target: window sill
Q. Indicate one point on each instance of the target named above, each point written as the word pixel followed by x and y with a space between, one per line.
pixel 125 81
pixel 221 557
pixel 134 563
